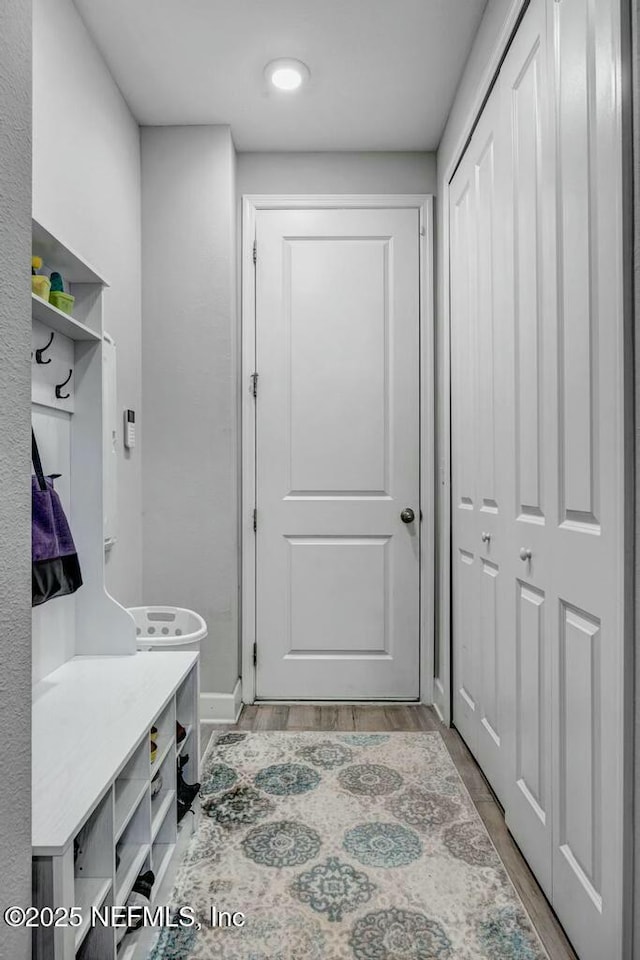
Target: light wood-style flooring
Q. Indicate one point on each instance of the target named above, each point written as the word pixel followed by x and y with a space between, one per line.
pixel 346 717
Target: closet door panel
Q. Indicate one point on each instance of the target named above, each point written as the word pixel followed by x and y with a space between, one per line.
pixel 528 812
pixel 494 465
pixel 531 656
pixel 579 827
pixel 485 172
pixel 588 538
pixel 492 628
pixel 466 650
pixel 481 399
pixel 528 808
pixel 464 452
pixel 463 342
pixel 527 193
pixel 577 332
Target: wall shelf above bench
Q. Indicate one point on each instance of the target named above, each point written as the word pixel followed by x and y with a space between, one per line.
pixel 70 433
pixel 61 322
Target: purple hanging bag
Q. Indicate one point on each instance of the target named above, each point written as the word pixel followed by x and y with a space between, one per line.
pixel 55 570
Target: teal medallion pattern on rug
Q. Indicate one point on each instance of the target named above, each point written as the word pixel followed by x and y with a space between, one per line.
pixel 230 739
pixel 382 845
pixel 326 754
pixel 399 935
pixel 218 777
pixel 174 943
pixel 237 808
pixel 369 779
pixel 282 844
pixel 507 934
pixel 470 841
pixel 333 888
pixel 365 739
pixel 284 778
pixel 342 846
pixel 423 810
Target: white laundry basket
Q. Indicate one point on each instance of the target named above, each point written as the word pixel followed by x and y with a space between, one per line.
pixel 168 628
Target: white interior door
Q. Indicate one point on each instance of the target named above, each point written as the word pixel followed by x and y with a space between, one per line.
pixel 555 614
pixel 337 453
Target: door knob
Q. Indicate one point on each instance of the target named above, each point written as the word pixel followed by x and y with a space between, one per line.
pixel 486 537
pixel 407 515
pixel 525 553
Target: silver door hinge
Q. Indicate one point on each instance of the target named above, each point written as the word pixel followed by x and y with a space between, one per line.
pixel 255 654
pixel 255 519
pixel 255 251
pixel 254 385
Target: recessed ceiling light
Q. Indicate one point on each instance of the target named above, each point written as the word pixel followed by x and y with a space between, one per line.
pixel 286 74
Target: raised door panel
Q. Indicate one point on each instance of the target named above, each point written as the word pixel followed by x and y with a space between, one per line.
pixel 492 668
pixel 578 388
pixel 529 812
pixel 579 828
pixel 354 573
pixel 465 665
pixel 529 279
pixel 485 299
pixel 491 630
pixel 463 341
pixel 532 700
pixel 338 377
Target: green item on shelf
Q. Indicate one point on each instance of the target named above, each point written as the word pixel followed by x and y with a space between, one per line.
pixel 63 301
pixel 57 283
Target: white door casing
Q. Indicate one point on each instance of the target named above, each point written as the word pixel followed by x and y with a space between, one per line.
pixel 337 349
pixel 562 699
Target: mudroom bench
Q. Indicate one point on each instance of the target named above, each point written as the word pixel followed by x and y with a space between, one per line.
pixel 95 824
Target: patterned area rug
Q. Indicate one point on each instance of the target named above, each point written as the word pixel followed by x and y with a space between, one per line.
pixel 364 846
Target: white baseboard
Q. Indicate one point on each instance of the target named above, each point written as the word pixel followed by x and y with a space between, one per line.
pixel 221 707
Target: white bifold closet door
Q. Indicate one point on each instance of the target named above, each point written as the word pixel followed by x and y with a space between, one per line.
pixel 480 352
pixel 537 435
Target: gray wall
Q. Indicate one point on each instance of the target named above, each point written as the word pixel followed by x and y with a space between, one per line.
pixel 15 469
pixel 189 330
pixel 336 173
pixel 86 191
pixel 190 354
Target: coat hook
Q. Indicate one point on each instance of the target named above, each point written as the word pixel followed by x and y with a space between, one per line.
pixel 42 350
pixel 63 396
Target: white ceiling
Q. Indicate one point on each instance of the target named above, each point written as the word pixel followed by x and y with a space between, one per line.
pixel 383 72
